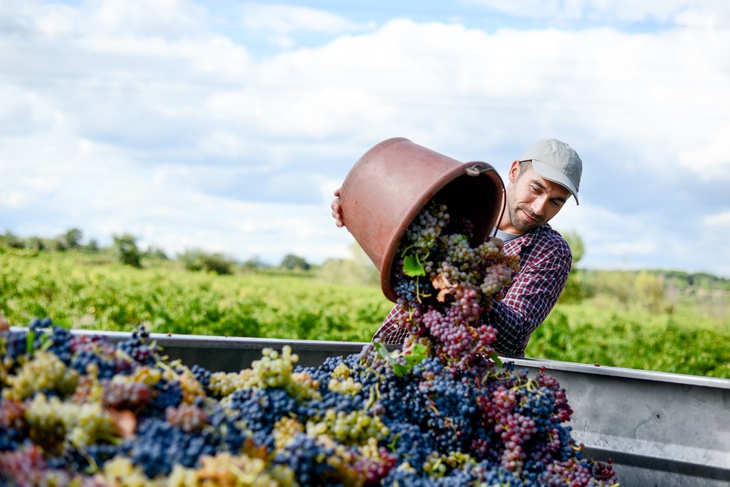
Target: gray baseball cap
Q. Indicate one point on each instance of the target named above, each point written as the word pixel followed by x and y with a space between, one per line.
pixel 556 161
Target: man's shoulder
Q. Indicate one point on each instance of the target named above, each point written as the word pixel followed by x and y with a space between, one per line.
pixel 552 238
pixel 544 238
pixel 545 231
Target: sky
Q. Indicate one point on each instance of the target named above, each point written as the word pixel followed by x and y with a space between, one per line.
pixel 226 126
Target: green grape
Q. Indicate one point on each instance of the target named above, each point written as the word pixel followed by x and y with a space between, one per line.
pixel 82 424
pixel 349 428
pixel 43 372
pixel 223 384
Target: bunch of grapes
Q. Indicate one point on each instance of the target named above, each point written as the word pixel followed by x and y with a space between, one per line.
pixel 407 418
pixel 444 283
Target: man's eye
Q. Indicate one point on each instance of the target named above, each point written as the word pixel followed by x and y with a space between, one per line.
pixel 558 203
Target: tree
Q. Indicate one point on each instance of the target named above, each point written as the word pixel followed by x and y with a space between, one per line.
pixel 10 240
pixel 577 248
pixel 291 262
pixel 156 253
pixel 649 288
pixel 35 243
pixel 575 288
pixel 92 246
pixel 127 250
pixel 358 270
pixel 199 260
pixel 253 263
pixel 71 239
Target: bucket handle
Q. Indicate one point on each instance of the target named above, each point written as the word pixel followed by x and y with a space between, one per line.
pixel 476 170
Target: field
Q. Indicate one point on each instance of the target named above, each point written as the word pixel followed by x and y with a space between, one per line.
pixel 80 290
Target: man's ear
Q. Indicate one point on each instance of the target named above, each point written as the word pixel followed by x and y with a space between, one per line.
pixel 514 171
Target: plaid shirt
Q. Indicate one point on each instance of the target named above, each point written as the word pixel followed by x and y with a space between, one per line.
pixel 545 261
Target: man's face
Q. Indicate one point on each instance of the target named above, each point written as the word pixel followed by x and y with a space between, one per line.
pixel 531 199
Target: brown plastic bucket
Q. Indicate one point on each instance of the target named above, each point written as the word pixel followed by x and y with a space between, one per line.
pixel 390 184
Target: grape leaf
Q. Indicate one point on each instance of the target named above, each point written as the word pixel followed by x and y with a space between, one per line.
pixel 417 355
pixel 413 268
pixel 383 352
pixel 400 370
pixel 412 358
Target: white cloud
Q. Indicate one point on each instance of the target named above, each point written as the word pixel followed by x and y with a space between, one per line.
pixel 684 12
pixel 279 23
pixel 717 221
pixel 286 19
pixel 142 17
pixel 709 160
pixel 104 17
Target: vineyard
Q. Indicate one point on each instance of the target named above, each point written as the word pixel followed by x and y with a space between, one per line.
pixel 78 290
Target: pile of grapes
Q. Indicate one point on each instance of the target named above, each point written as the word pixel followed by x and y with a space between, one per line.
pixel 79 410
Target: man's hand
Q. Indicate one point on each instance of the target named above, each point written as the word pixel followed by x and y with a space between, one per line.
pixel 337 209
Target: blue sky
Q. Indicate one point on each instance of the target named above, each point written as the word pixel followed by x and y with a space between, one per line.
pixel 228 125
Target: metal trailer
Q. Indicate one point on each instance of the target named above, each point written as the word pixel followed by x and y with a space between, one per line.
pixel 660 429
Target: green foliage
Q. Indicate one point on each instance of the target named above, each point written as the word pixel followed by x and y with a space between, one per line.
pixel 576 288
pixel 698 280
pixel 35 244
pixel 97 291
pixel 199 260
pixel 113 296
pixel 618 340
pixel 155 253
pixel 644 288
pixel 71 239
pixel 92 246
pixel 649 288
pixel 127 250
pixel 577 247
pixel 618 284
pixel 11 241
pixel 253 263
pixel 292 262
pixel 412 267
pixel 402 361
pixel 344 272
pixel 358 270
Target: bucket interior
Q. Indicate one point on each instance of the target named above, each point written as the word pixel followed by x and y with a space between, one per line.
pixel 475 198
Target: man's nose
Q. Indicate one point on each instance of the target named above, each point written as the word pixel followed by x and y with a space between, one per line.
pixel 538 206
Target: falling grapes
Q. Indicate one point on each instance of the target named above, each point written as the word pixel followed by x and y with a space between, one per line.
pixel 444 282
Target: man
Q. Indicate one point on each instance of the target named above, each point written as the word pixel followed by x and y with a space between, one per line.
pixel 539 184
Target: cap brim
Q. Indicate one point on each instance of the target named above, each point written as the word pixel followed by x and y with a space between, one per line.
pixel 552 174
